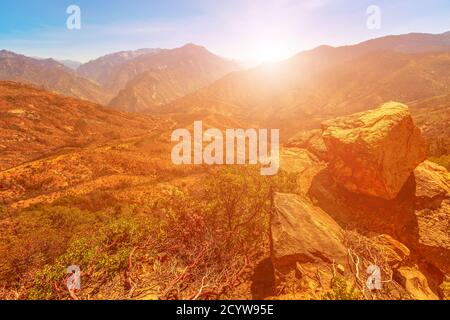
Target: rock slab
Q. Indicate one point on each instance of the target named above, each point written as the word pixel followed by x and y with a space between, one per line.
pixel 303 233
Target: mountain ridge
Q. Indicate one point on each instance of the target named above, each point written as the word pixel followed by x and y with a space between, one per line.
pixel 50 74
pixel 306 89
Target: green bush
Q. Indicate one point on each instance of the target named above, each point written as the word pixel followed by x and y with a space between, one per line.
pixel 340 290
pixel 101 255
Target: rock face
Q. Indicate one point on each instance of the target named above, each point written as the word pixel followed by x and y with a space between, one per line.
pixel 312 141
pixel 432 181
pixel 374 152
pixel 419 217
pixel 415 283
pixel 303 163
pixel 432 209
pixel 433 205
pixel 303 233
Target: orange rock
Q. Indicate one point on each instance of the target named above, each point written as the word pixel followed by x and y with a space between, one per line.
pixel 432 181
pixel 432 207
pixel 303 163
pixel 415 283
pixel 374 152
pixel 303 233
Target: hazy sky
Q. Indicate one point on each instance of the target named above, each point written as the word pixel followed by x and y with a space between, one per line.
pixel 243 29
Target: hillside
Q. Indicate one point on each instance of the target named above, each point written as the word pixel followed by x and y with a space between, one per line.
pixel 153 80
pixel 74 65
pixel 50 75
pixel 35 123
pixel 104 68
pixel 155 88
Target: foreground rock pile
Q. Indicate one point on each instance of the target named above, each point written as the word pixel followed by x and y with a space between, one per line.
pixel 371 199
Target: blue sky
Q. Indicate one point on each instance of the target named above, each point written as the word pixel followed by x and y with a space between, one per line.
pixel 240 29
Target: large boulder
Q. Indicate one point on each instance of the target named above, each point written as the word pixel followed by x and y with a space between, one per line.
pixel 374 152
pixel 303 233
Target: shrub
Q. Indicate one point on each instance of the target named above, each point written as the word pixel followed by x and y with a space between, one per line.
pixel 187 241
pixel 341 290
pixel 35 237
pixel 100 257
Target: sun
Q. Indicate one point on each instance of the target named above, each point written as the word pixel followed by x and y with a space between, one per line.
pixel 270 50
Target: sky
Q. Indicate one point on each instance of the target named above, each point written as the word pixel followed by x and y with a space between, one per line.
pixel 247 30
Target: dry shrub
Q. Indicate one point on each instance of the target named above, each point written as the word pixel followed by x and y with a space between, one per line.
pixel 200 244
pixel 364 252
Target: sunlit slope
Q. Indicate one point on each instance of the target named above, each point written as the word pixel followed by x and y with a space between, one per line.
pixel 50 75
pixel 35 123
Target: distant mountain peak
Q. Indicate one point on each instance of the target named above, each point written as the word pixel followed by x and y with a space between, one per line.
pixel 70 63
pixel 127 54
pixel 323 48
pixel 8 54
pixel 103 68
pixel 193 46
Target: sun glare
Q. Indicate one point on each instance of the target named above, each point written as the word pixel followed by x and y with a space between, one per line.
pixel 270 50
pixel 268 53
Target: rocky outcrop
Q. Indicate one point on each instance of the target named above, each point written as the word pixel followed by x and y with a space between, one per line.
pixel 432 182
pixel 432 213
pixel 303 233
pixel 434 226
pixel 418 217
pixel 309 251
pixel 303 163
pixel 312 141
pixel 374 152
pixel 373 181
pixel 415 283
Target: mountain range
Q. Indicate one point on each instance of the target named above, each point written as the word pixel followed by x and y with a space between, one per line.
pixel 128 80
pixel 104 68
pixel 295 94
pixel 301 92
pixel 149 82
pixel 50 75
